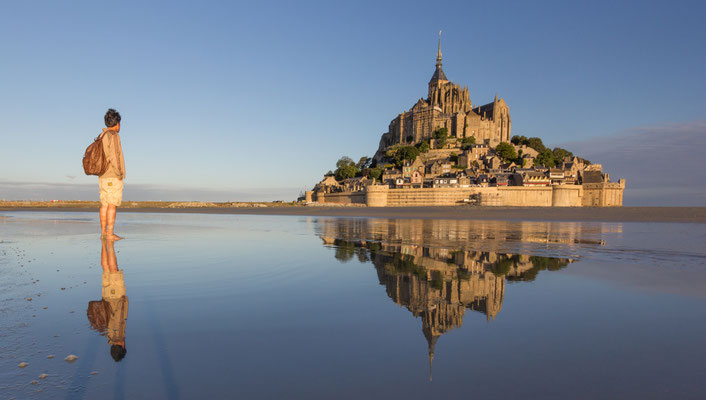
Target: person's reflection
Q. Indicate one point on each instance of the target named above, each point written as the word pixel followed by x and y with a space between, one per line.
pixel 108 315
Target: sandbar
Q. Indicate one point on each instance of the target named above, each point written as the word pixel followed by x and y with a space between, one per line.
pixel 596 214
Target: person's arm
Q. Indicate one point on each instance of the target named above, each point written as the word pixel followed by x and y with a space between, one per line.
pixel 119 151
pixel 109 148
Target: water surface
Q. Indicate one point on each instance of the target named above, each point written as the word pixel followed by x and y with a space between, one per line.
pixel 226 306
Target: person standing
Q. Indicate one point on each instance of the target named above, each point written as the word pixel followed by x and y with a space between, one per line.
pixel 111 181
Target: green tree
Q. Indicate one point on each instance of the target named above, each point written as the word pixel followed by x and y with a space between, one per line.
pixel 519 140
pixel 506 151
pixel 407 153
pixel 467 142
pixel 344 161
pixel 423 146
pixel 536 143
pixel 441 135
pixel 346 172
pixel 560 154
pixel 346 168
pixel 546 158
pixel 375 173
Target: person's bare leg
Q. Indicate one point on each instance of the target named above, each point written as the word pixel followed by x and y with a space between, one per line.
pixel 110 223
pixel 103 213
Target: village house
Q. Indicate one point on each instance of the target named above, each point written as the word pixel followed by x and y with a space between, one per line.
pixel 492 162
pixel 439 167
pixel 416 179
pixel 356 184
pixel 409 167
pixel 530 178
pixel 328 185
pixel 389 176
pixel 445 181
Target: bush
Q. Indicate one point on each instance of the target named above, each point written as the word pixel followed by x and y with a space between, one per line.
pixel 546 158
pixel 441 135
pixel 560 154
pixel 506 151
pixel 467 142
pixel 400 154
pixel 423 146
pixel 375 173
pixel 536 143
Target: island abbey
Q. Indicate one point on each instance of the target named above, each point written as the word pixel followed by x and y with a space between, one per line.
pixel 446 150
pixel 448 105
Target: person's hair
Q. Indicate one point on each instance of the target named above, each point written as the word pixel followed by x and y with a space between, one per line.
pixel 111 118
pixel 117 352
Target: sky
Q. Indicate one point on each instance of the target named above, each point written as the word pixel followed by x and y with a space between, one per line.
pixel 229 101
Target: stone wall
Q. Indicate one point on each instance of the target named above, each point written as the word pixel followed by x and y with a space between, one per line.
pixel 595 194
pixel 604 194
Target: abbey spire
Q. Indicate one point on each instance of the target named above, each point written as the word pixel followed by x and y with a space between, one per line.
pixel 438 73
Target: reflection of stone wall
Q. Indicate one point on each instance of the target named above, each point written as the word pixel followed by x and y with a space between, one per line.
pixel 431 267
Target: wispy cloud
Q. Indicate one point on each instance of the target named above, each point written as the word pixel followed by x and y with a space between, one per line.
pixel 662 164
pixel 138 192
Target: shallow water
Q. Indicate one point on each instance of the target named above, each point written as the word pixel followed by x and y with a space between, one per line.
pixel 226 306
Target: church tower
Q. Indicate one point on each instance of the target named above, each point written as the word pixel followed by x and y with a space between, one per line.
pixel 439 77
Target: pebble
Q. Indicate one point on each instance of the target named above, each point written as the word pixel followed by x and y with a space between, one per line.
pixel 22 364
pixel 70 358
pixel 43 376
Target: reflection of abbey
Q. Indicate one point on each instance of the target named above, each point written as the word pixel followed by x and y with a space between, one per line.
pixel 446 150
pixel 427 266
pixel 449 106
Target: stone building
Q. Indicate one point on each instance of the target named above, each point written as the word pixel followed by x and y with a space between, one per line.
pixel 448 105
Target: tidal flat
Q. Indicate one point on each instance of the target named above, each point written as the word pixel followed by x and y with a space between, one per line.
pixel 274 306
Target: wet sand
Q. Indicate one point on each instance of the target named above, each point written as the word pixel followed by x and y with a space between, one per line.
pixel 607 214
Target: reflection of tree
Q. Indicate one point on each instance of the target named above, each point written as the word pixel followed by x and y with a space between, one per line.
pixel 439 284
pixel 429 267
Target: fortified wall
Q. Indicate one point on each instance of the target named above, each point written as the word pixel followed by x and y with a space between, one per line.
pixel 605 194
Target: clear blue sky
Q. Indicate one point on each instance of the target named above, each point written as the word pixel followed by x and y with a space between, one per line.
pixel 261 98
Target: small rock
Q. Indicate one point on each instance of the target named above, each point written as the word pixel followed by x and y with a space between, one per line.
pixel 70 358
pixel 22 364
pixel 43 376
pixel 50 356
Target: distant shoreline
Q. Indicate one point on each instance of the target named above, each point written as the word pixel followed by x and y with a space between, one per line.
pixel 567 214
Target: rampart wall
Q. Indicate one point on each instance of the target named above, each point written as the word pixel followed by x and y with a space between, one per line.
pixel 606 194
